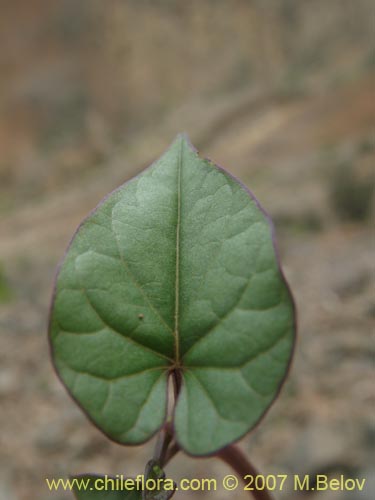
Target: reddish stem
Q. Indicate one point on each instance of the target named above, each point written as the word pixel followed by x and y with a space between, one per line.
pixel 162 445
pixel 177 380
pixel 171 452
pixel 234 457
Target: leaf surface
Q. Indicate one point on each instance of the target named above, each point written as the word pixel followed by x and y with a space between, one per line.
pixel 175 270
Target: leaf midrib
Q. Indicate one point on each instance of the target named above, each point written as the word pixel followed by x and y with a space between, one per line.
pixel 177 274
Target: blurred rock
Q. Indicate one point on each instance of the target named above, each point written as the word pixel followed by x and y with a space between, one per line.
pixel 8 382
pixel 353 284
pixel 319 447
pixel 50 438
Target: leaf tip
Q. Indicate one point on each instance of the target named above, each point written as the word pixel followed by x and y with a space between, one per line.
pixel 183 139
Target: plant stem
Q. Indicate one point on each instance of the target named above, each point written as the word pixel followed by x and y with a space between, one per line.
pixel 172 451
pixel 161 449
pixel 166 448
pixel 234 457
pixel 176 374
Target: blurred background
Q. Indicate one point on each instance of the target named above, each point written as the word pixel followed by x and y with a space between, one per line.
pixel 281 93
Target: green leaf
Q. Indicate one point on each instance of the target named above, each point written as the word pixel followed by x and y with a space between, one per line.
pixel 155 476
pixel 175 270
pixel 93 487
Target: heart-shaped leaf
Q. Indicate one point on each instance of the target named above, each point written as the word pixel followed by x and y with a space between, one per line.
pixel 92 487
pixel 175 270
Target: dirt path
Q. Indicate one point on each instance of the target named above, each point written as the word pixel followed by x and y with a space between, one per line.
pixel 256 133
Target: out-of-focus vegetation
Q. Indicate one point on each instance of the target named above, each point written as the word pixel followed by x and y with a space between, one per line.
pixel 351 193
pixel 5 290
